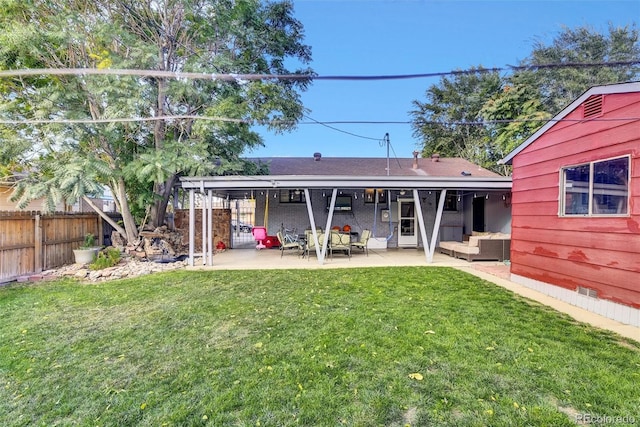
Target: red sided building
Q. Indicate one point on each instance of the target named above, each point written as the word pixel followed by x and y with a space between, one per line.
pixel 576 204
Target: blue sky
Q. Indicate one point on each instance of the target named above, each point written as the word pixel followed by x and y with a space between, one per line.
pixel 384 37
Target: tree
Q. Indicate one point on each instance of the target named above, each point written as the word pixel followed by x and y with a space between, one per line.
pixel 520 102
pixel 551 78
pixel 447 123
pixel 140 161
pixel 559 86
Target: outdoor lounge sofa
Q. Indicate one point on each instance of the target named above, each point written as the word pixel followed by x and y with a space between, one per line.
pixel 480 246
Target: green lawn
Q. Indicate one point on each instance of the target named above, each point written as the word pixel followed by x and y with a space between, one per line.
pixel 358 347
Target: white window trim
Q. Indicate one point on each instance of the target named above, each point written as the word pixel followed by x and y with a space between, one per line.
pixel 562 193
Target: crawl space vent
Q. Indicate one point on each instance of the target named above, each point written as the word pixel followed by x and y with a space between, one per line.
pixel 593 106
pixel 588 292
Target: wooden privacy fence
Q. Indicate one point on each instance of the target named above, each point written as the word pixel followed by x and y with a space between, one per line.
pixel 31 242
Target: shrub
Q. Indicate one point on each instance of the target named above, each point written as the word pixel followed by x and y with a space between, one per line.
pixel 106 258
pixel 89 241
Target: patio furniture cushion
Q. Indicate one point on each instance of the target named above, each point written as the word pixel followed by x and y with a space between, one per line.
pixel 340 242
pixel 288 245
pixel 363 242
pixel 480 246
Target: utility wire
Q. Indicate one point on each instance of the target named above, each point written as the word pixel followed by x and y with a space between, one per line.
pixel 240 78
pixel 250 77
pixel 311 122
pixel 340 130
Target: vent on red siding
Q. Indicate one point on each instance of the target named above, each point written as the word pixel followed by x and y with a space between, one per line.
pixel 593 106
pixel 587 291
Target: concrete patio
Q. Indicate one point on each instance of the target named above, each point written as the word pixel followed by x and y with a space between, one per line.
pixel 271 259
pixel 492 271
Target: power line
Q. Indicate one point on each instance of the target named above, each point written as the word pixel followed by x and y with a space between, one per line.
pixel 248 77
pixel 296 77
pixel 326 123
pixel 124 120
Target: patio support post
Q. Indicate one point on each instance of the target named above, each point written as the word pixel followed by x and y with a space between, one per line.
pixel 192 225
pixel 204 224
pixel 332 206
pixel 312 221
pixel 436 226
pixel 210 227
pixel 423 230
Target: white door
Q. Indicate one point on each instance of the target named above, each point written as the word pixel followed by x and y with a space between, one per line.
pixel 407 232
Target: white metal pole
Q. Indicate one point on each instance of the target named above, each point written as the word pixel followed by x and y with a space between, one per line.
pixel 436 226
pixel 204 224
pixel 210 227
pixel 423 230
pixel 327 231
pixel 192 225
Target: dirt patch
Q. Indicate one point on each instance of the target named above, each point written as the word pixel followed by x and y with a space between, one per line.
pixel 499 270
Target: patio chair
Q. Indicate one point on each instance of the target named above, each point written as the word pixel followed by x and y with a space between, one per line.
pixel 340 242
pixel 311 245
pixel 288 245
pixel 362 243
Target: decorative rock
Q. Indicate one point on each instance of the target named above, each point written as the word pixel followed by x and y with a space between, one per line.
pixel 82 272
pixel 129 266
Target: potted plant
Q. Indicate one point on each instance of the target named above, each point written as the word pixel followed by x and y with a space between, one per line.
pixel 87 251
pixel 90 243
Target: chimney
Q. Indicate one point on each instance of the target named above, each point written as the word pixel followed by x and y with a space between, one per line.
pixel 317 156
pixel 435 157
pixel 415 160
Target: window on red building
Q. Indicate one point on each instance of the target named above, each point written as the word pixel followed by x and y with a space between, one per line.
pixel 595 188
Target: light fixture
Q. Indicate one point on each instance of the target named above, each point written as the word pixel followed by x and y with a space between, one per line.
pixel 487 196
pixel 355 195
pixel 403 192
pixel 458 197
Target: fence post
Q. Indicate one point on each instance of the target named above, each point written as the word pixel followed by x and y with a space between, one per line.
pixel 100 231
pixel 37 245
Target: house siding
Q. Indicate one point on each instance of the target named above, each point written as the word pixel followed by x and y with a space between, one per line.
pixel 7 205
pixel 600 253
pixel 363 215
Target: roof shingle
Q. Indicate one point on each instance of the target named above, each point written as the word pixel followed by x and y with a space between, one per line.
pixel 372 166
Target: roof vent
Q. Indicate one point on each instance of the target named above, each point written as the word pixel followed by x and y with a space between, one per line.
pixel 317 156
pixel 592 107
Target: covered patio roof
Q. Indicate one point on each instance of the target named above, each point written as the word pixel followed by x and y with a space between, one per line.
pixel 230 185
